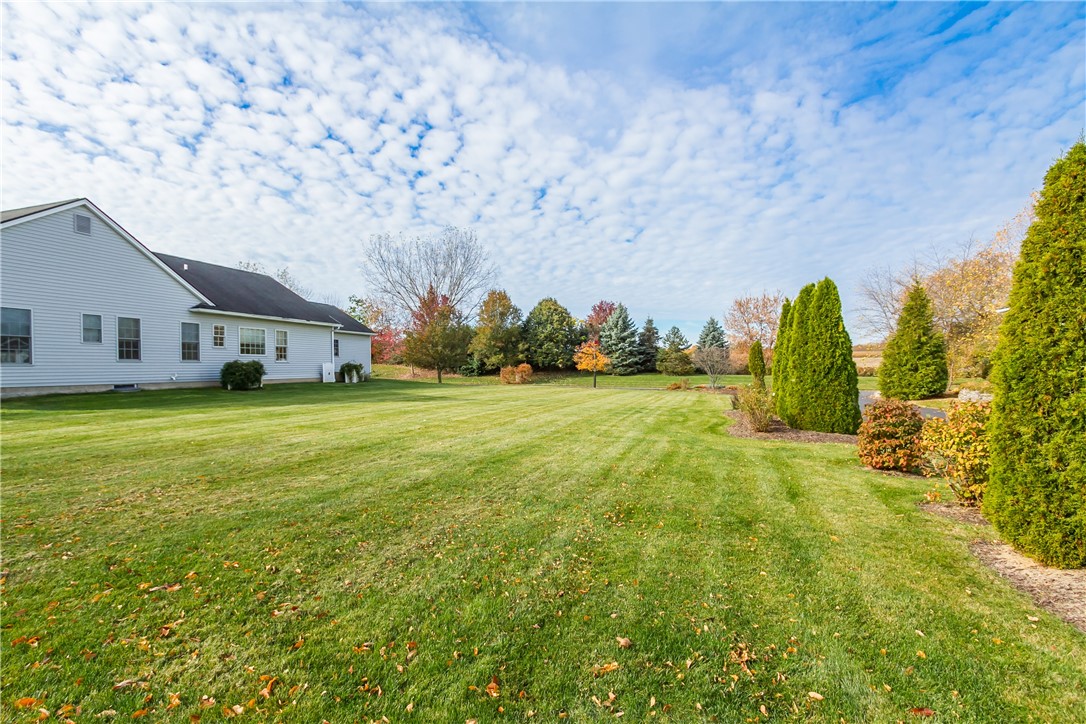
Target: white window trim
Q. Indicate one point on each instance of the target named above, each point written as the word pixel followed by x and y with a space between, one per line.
pixel 218 346
pixel 286 346
pixel 32 335
pixel 264 332
pixel 101 330
pixel 117 338
pixel 181 342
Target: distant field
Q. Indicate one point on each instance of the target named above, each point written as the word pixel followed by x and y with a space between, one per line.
pixel 437 554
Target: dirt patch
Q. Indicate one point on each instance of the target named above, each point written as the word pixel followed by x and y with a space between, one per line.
pixel 1060 592
pixel 780 431
pixel 960 513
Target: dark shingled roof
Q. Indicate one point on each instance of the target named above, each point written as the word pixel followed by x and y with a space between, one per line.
pixel 235 290
pixel 350 324
pixel 13 214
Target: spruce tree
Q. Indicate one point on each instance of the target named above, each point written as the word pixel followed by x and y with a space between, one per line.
pixel 649 342
pixel 550 335
pixel 781 351
pixel 712 335
pixel 756 364
pixel 618 339
pixel 1036 494
pixel 675 340
pixel 914 361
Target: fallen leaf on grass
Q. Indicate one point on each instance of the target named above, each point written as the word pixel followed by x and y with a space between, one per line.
pixel 169 588
pixel 267 690
pixel 605 669
pixel 175 701
pixel 623 643
pixel 815 695
pixel 130 682
pixel 298 644
pixel 492 688
pixel 207 702
pixel 921 711
pixel 140 713
pixel 28 702
pixel 921 654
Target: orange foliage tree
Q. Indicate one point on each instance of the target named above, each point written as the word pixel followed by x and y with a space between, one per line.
pixel 589 356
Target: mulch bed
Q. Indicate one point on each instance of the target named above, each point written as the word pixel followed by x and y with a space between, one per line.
pixel 960 513
pixel 780 431
pixel 1060 592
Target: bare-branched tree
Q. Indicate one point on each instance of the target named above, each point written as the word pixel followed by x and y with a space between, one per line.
pixel 453 264
pixel 713 361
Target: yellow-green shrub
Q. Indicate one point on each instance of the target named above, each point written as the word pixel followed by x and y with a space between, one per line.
pixel 958 450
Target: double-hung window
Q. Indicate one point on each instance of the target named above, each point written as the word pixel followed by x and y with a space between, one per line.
pixel 218 335
pixel 280 345
pixel 15 336
pixel 92 328
pixel 129 339
pixel 251 341
pixel 190 342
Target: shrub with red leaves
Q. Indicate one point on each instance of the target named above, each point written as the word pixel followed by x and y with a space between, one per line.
pixel 889 438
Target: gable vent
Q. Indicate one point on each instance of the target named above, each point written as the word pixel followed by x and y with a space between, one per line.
pixel 82 224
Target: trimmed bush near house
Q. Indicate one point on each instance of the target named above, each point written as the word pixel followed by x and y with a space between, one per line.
pixel 889 439
pixel 519 375
pixel 958 450
pixel 238 375
pixel 349 370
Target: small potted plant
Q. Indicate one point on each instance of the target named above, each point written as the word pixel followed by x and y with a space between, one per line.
pixel 352 372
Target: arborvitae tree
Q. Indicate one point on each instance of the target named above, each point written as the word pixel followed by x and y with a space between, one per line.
pixel 675 340
pixel 825 375
pixel 756 364
pixel 550 333
pixel 618 339
pixel 497 341
pixel 799 373
pixel 712 335
pixel 649 343
pixel 780 360
pixel 914 361
pixel 1036 495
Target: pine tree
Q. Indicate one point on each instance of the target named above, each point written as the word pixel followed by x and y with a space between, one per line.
pixel 675 340
pixel 914 362
pixel 781 349
pixel 756 364
pixel 618 340
pixel 1036 494
pixel 712 335
pixel 649 342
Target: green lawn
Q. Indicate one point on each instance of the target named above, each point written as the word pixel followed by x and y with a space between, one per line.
pixel 336 552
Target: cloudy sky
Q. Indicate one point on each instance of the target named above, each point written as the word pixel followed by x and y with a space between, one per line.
pixel 669 156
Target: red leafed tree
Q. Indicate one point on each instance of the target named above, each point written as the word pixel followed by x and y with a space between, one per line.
pixel 387 344
pixel 438 337
pixel 601 312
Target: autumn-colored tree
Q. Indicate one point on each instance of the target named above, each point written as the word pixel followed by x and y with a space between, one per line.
pixel 497 341
pixel 914 361
pixel 387 344
pixel 1036 495
pixel 589 357
pixel 754 317
pixel 550 335
pixel 601 312
pixel 438 337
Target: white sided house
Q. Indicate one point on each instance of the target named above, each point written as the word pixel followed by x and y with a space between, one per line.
pixel 87 307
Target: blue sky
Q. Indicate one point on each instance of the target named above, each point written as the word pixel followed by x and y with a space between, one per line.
pixel 667 155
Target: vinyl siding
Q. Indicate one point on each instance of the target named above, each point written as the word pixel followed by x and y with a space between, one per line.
pixel 354 348
pixel 60 275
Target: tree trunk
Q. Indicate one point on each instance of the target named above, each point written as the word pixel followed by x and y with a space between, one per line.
pixel 439 375
pixel 593 379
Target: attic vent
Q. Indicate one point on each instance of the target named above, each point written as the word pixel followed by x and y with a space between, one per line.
pixel 82 224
